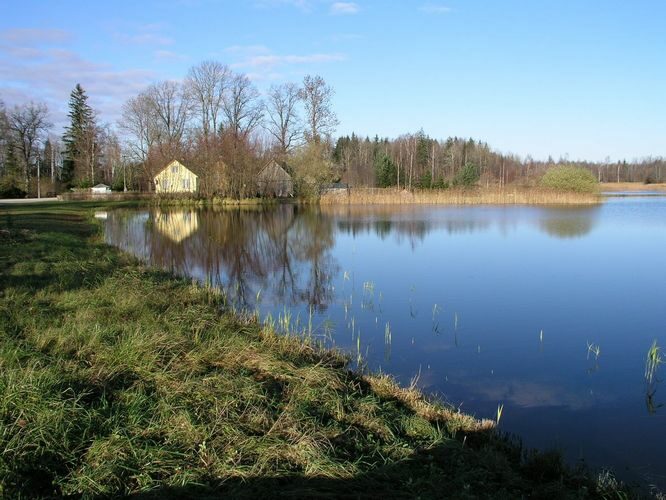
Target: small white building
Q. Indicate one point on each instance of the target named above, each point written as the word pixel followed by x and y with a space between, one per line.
pixel 101 189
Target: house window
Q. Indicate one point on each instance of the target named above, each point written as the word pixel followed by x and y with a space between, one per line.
pixel 186 184
pixel 174 169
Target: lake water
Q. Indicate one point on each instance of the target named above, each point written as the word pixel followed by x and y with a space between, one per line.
pixel 547 311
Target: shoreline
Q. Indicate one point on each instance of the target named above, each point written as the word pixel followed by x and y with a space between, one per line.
pixel 132 381
pixel 452 196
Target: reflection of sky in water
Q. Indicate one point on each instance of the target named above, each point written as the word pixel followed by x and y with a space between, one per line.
pixel 466 292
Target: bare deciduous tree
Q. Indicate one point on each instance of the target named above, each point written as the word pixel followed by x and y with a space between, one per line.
pixel 284 124
pixel 320 117
pixel 242 107
pixel 28 124
pixel 138 121
pixel 207 83
pixel 170 107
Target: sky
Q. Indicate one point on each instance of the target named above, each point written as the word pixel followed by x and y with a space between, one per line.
pixel 568 78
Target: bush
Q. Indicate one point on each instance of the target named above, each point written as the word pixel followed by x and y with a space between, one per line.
pixel 84 184
pixel 467 176
pixel 569 178
pixel 9 189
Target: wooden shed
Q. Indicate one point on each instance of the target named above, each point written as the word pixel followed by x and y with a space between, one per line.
pixel 273 180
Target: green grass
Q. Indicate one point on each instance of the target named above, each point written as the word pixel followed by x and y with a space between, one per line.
pixel 118 379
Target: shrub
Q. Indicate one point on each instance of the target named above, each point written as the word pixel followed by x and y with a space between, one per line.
pixel 569 178
pixel 9 188
pixel 467 176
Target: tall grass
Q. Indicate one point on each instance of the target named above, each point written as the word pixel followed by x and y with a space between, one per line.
pixel 477 196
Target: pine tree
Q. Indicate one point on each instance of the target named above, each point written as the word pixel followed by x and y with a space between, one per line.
pixel 80 140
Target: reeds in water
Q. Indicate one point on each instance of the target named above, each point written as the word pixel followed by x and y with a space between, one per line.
pixel 654 359
pixel 476 196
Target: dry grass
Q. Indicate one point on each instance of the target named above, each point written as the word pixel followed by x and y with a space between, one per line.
pixel 477 196
pixel 631 186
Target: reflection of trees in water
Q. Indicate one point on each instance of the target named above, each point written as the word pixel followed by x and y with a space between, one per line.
pixel 561 222
pixel 284 251
pixel 313 238
pixel 287 251
pixel 414 231
pixel 568 222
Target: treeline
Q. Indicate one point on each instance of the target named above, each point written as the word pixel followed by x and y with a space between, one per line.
pixel 218 123
pixel 420 161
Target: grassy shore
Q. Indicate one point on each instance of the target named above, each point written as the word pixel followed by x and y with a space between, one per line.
pixel 474 196
pixel 118 379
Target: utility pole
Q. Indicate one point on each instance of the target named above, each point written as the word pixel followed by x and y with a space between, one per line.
pixel 53 166
pixel 39 187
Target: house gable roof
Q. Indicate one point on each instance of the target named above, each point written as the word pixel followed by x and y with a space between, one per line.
pixel 273 169
pixel 176 162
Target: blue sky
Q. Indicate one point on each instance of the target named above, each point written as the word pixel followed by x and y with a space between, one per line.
pixel 585 79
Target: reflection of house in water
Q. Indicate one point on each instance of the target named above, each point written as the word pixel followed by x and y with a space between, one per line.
pixel 176 225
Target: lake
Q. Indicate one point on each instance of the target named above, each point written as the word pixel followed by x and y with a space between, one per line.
pixel 548 311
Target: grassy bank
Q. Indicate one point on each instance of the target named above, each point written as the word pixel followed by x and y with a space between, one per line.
pixel 117 379
pixel 476 196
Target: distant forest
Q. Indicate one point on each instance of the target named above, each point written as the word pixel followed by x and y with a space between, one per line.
pixel 417 160
pixel 218 122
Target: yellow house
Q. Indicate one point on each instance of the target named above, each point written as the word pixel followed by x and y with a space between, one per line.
pixel 176 178
pixel 176 225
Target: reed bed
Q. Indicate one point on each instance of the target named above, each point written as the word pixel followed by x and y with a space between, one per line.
pixel 476 196
pixel 631 186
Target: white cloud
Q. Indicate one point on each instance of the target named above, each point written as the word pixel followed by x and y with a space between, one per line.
pixel 168 55
pixel 304 5
pixel 144 39
pixel 346 37
pixel 278 60
pixel 248 49
pixel 435 9
pixel 262 65
pixel 340 8
pixel 34 36
pixel 149 34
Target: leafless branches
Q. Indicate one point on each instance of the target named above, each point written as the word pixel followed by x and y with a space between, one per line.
pixel 284 123
pixel 28 125
pixel 320 117
pixel 207 84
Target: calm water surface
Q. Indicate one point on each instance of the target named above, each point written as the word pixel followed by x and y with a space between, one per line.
pixel 485 305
